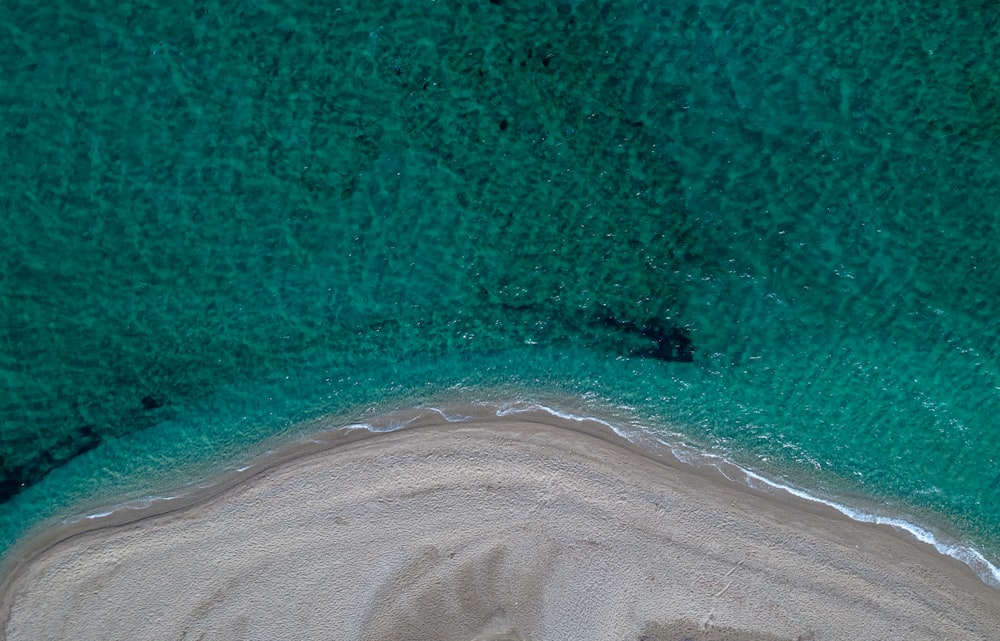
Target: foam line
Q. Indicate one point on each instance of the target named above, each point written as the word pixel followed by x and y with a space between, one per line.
pixel 987 571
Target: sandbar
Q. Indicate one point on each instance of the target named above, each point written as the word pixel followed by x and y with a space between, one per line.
pixel 520 528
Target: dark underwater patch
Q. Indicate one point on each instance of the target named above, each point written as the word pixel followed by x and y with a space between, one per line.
pixel 664 341
pixel 18 476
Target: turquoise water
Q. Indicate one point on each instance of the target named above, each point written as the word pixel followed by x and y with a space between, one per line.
pixel 768 230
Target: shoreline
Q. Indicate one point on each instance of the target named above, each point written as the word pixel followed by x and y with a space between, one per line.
pixel 338 428
pixel 638 448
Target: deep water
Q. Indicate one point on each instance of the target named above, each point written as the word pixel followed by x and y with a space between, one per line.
pixel 768 229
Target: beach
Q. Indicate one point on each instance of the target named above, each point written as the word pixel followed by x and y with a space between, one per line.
pixel 520 527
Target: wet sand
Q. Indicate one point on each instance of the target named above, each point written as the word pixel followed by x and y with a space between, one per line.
pixel 488 529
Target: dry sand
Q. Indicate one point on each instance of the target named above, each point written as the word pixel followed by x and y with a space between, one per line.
pixel 502 529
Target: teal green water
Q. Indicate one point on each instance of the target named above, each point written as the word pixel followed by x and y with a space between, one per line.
pixel 772 230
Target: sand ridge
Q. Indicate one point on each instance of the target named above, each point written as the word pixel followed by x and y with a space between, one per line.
pixel 494 529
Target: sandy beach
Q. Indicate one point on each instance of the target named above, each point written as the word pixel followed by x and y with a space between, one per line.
pixel 498 529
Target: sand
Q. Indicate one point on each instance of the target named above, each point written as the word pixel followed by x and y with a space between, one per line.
pixel 490 530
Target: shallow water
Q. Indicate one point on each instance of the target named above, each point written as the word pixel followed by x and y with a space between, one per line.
pixel 764 229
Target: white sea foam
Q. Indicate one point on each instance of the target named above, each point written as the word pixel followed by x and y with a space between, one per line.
pixel 360 426
pixel 987 571
pixel 451 418
pixel 968 555
pixel 376 429
pixel 138 504
pixel 520 408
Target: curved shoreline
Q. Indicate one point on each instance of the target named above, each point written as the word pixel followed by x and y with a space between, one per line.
pixel 889 562
pixel 328 432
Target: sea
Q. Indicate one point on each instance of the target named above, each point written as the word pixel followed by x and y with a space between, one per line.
pixel 766 230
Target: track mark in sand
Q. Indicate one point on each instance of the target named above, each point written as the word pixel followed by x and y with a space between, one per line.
pixel 736 567
pixel 723 590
